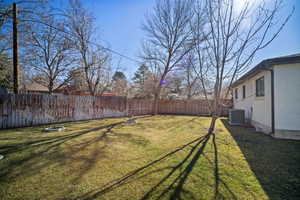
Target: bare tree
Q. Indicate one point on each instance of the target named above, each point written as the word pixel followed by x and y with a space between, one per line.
pixel 236 34
pixel 153 78
pixel 26 11
pixel 77 80
pixel 169 39
pixel 94 60
pixel 49 54
pixel 191 82
pixel 97 71
pixel 5 63
pixel 5 14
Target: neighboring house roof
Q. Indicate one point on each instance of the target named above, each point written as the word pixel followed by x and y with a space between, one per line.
pixel 35 87
pixel 69 89
pixel 266 64
pixel 38 88
pixel 107 94
pixel 72 90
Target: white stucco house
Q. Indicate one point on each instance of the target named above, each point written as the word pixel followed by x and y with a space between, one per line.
pixel 270 96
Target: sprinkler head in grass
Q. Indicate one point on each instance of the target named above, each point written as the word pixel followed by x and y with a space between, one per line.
pixel 1 157
pixel 54 129
pixel 130 121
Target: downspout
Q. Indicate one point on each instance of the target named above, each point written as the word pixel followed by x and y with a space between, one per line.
pixel 272 102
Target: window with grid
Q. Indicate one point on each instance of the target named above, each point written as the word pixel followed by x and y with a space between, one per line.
pixel 244 91
pixel 260 87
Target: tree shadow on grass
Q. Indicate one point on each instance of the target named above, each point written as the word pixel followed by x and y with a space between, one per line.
pixel 56 140
pixel 183 124
pixel 275 162
pixel 171 184
pixel 177 175
pixel 27 158
pixel 176 186
pixel 218 180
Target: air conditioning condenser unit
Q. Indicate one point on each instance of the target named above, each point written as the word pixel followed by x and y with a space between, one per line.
pixel 236 117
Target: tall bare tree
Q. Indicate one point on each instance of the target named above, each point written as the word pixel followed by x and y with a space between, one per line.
pixel 169 39
pixel 26 11
pixel 94 60
pixel 236 34
pixel 5 62
pixel 5 15
pixel 49 54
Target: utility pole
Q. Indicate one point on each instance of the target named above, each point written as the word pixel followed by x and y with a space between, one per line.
pixel 15 50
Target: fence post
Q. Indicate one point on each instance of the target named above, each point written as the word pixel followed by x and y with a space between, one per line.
pixel 126 107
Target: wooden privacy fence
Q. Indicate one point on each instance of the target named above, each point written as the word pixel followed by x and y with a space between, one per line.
pixel 190 107
pixel 139 107
pixel 18 110
pixel 34 109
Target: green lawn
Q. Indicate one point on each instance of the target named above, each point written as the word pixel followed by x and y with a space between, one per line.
pixel 160 157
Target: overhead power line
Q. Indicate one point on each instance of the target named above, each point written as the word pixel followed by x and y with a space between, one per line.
pixel 93 43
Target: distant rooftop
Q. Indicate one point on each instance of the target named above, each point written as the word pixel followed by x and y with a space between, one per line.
pixel 36 87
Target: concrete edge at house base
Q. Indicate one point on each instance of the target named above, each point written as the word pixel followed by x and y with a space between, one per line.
pixel 287 134
pixel 236 124
pixel 261 127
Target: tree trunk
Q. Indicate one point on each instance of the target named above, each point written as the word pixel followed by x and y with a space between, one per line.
pixel 189 94
pixel 50 87
pixel 212 124
pixel 215 115
pixel 156 101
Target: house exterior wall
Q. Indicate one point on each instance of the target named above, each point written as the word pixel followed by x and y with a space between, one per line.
pixel 257 109
pixel 287 100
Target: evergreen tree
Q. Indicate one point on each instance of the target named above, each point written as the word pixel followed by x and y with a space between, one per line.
pixel 119 84
pixel 143 82
pixel 140 76
pixel 118 76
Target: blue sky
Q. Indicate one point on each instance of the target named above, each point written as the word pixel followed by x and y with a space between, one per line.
pixel 119 25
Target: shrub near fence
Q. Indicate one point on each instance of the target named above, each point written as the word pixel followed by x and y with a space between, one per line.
pixel 18 110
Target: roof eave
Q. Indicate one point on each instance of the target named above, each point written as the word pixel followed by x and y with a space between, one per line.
pixel 265 65
pixel 262 66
